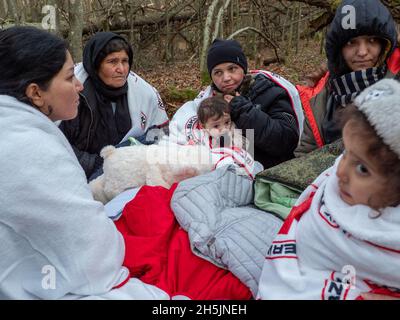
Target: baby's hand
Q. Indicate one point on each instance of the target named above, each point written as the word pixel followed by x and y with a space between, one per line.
pixel 229 97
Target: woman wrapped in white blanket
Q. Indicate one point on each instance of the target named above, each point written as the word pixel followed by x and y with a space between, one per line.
pixel 56 241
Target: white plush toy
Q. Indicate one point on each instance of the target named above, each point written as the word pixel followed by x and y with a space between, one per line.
pixel 153 165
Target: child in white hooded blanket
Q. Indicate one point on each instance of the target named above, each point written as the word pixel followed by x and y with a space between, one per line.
pixel 343 237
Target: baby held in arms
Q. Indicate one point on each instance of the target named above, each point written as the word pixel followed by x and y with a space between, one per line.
pixel 219 130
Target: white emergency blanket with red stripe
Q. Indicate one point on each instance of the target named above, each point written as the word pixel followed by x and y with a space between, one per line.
pixel 239 157
pixel 327 249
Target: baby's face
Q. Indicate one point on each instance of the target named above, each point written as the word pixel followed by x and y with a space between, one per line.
pixel 217 127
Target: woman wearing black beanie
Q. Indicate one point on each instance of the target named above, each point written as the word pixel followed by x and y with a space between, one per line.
pixel 260 101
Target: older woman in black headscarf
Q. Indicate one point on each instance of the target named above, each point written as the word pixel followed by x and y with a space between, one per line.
pixel 115 102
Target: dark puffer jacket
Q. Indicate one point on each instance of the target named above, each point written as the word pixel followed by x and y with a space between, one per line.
pixel 267 109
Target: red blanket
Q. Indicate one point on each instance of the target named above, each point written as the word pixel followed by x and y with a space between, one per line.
pixel 158 251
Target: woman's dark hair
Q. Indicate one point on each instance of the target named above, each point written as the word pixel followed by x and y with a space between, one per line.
pixel 29 55
pixel 212 107
pixel 115 45
pixel 378 152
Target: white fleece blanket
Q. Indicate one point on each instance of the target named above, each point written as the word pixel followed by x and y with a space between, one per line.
pixel 332 250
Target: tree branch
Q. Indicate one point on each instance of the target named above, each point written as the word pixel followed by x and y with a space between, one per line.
pixel 274 45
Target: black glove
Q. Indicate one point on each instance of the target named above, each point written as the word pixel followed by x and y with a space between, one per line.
pixel 259 86
pixel 239 105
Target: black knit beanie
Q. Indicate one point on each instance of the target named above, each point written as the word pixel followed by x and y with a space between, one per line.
pixel 222 51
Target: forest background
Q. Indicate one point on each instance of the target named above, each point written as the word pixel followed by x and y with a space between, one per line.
pixel 170 38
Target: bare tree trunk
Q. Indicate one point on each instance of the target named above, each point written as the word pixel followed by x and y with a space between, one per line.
pixel 33 11
pixel 198 33
pixel 3 9
pixel 13 11
pixel 132 19
pixel 290 40
pixel 285 22
pixel 167 39
pixel 206 36
pixel 237 23
pixel 75 12
pixel 218 23
pixel 298 29
pixel 253 13
pixel 22 12
pixel 231 17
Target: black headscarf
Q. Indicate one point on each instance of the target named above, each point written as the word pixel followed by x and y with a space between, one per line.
pixel 111 127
